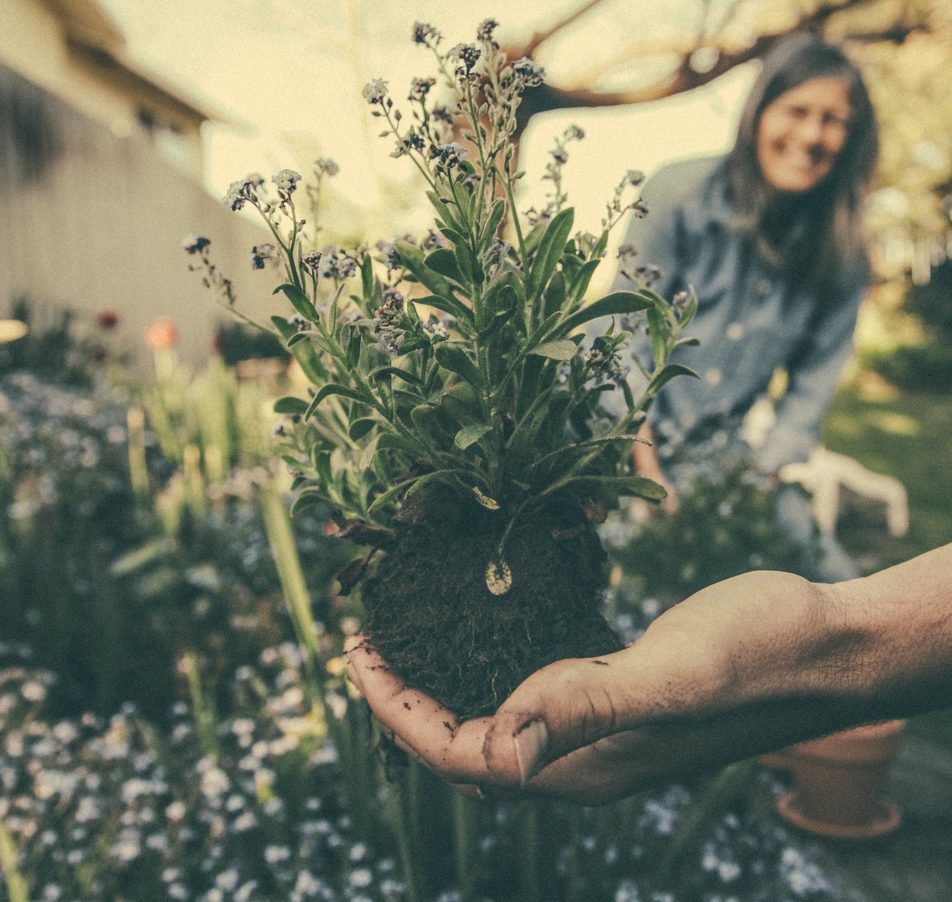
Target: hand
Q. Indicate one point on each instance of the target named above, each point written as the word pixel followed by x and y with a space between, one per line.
pixel 593 730
pixel 742 667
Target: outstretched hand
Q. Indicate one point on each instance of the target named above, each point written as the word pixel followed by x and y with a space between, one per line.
pixel 596 729
pixel 742 667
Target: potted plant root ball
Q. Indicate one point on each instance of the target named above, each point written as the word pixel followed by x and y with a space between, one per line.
pixel 453 426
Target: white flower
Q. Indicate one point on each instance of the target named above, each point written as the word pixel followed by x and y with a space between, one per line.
pixel 227 880
pixel 375 91
pixel 33 691
pixel 286 180
pixel 244 821
pixel 214 782
pixel 362 877
pixel 126 849
pixel 175 811
pixel 276 854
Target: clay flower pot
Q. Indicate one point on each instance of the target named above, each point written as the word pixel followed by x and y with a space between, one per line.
pixel 838 782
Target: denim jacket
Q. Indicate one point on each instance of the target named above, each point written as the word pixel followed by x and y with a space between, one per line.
pixel 752 318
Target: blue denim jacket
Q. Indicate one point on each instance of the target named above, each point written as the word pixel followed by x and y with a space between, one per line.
pixel 752 318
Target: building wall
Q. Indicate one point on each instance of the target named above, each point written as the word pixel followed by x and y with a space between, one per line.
pixel 33 43
pixel 94 221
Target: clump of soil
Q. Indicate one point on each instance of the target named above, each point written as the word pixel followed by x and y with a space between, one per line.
pixel 431 616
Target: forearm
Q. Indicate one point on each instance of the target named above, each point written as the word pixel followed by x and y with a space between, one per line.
pixel 902 662
pixel 804 658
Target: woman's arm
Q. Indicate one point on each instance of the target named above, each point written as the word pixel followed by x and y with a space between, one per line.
pixel 742 667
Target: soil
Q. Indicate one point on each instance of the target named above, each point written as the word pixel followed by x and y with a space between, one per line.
pixel 431 616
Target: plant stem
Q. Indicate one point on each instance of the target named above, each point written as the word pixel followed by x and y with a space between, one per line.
pixel 717 795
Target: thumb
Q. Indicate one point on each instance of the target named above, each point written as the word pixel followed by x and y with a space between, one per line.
pixel 563 707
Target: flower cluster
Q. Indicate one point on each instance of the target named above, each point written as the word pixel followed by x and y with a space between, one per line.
pixel 426 35
pixel 98 808
pixel 553 170
pixel 262 254
pixel 243 191
pixel 603 360
pixel 265 815
pixel 387 318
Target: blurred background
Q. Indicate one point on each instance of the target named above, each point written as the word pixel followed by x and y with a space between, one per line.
pixel 159 619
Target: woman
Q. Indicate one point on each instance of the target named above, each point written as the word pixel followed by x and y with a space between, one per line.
pixel 770 238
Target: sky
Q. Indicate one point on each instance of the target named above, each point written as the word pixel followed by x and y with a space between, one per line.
pixel 287 76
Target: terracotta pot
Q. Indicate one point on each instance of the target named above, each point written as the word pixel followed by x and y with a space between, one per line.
pixel 838 782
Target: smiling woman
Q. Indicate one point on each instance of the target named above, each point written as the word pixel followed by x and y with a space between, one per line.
pixel 802 133
pixel 770 235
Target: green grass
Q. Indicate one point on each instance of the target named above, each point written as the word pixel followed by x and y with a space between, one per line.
pixel 910 437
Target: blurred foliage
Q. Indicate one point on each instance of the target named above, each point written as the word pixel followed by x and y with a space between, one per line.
pixel 60 347
pixel 130 526
pixel 724 526
pixel 235 342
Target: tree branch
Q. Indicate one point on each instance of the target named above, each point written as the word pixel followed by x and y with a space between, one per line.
pixel 683 77
pixel 540 37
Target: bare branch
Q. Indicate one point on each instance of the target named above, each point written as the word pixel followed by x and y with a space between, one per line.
pixel 540 37
pixel 682 76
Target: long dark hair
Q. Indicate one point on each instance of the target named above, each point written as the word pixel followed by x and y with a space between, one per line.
pixel 823 229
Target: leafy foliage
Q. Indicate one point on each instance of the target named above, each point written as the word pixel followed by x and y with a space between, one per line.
pixel 459 360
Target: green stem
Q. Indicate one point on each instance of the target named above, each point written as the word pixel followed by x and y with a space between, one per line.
pixel 697 823
pixel 17 888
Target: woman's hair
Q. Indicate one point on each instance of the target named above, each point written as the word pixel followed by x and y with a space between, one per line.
pixel 824 226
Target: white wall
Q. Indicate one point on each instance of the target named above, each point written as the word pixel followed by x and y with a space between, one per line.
pixel 95 222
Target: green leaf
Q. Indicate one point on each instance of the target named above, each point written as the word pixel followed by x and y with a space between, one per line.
pixel 299 300
pixel 452 357
pixel 619 485
pixel 366 457
pixel 401 443
pixel 556 350
pixel 292 406
pixel 443 208
pixel 452 235
pixel 353 349
pixel 360 427
pixel 309 497
pixel 500 306
pixel 618 302
pixel 412 258
pixel 461 402
pixel 669 373
pixel 445 262
pixel 492 223
pixel 303 351
pixel 448 305
pixel 383 372
pixel 469 266
pixel 582 278
pixel 658 328
pixel 550 249
pixel 297 339
pixel 387 496
pixel 554 294
pixel 367 276
pixel 332 388
pixel 468 435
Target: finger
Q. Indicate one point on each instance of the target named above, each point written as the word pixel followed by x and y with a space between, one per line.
pixel 558 709
pixel 415 721
pixel 573 703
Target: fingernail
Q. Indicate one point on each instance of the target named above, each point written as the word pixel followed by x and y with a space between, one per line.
pixel 530 742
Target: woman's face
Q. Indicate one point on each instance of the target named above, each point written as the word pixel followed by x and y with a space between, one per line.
pixel 802 132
